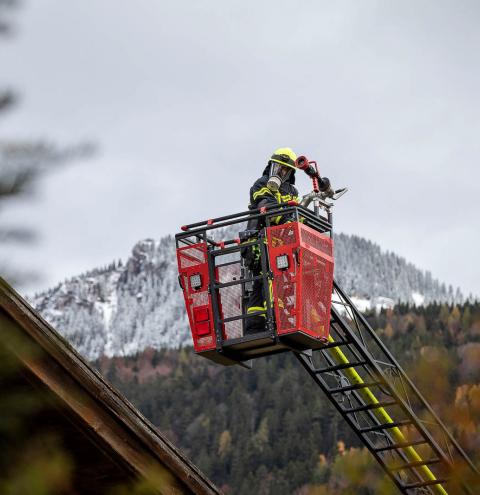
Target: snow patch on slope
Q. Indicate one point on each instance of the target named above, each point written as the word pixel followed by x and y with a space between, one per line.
pixel 123 308
pixel 418 299
pixel 364 304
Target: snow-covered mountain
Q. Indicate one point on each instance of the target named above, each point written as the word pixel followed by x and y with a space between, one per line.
pixel 123 308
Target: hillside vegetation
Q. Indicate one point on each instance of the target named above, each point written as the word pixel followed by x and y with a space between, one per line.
pixel 271 431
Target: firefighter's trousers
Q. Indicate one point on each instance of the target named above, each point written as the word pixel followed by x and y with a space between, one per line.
pixel 256 302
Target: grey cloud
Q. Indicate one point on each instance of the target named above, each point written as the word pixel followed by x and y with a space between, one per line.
pixel 189 98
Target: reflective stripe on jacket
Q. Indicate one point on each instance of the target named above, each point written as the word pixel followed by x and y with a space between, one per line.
pixel 261 195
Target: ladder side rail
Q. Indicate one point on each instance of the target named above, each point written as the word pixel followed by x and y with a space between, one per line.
pixel 415 390
pixel 354 393
pixel 355 423
pixel 363 346
pixel 349 346
pixel 387 360
pixel 419 425
pixel 361 323
pixel 304 360
pixel 337 375
pixel 414 420
pixel 369 416
pixel 354 351
pixel 380 377
pixel 395 365
pixel 402 404
pixel 363 334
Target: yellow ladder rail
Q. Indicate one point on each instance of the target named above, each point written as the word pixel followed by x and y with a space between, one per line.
pixel 381 414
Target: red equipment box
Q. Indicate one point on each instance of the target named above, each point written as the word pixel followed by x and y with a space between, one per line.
pixel 301 260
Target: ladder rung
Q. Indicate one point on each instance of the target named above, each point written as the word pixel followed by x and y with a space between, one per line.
pixel 342 303
pixel 385 426
pixel 369 407
pixel 425 483
pixel 410 465
pixel 340 367
pixel 334 344
pixel 400 445
pixel 355 386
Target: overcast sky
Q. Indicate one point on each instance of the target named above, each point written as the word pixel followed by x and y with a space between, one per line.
pixel 187 100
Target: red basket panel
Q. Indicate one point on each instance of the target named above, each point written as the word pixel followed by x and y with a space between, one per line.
pixel 316 293
pixel 192 260
pixel 285 302
pixel 313 239
pixel 191 256
pixel 302 292
pixel 283 235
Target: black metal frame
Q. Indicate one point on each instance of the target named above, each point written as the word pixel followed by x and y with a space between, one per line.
pixel 369 356
pixel 215 288
pixel 198 232
pixel 320 223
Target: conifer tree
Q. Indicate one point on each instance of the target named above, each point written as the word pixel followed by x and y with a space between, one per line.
pixel 21 162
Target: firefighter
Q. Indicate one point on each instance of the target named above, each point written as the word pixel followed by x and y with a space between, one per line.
pixel 275 186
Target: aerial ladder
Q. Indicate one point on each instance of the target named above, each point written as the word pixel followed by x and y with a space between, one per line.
pixel 307 313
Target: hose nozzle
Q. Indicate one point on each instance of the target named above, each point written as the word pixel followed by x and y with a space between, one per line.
pixel 308 167
pixel 302 162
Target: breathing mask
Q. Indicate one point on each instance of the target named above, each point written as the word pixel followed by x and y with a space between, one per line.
pixel 278 174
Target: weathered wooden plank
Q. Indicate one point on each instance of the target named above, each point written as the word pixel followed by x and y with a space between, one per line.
pixel 54 361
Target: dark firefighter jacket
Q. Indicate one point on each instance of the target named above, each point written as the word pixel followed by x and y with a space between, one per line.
pixel 261 195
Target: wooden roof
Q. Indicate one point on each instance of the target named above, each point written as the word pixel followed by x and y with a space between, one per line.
pixel 109 440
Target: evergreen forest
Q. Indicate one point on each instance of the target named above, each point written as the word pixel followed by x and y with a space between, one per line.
pixel 270 430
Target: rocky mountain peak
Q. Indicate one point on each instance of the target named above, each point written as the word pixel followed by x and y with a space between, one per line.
pixel 121 309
